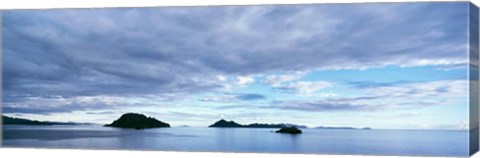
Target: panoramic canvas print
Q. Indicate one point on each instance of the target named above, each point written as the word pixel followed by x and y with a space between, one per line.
pixel 357 79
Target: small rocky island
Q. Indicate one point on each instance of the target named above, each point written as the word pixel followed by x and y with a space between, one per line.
pixel 137 121
pixel 231 124
pixel 289 130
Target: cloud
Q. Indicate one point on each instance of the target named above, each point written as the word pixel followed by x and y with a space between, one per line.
pixel 320 105
pixel 251 96
pixel 221 78
pixel 326 94
pixel 288 83
pixel 101 113
pixel 406 96
pixel 434 89
pixel 410 114
pixel 278 80
pixel 232 82
pixel 243 80
pixel 457 125
pixel 59 104
pixel 369 84
pixel 182 51
pixel 235 97
pixel 304 87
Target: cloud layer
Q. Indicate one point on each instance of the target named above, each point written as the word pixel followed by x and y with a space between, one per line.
pixel 59 56
pixel 405 96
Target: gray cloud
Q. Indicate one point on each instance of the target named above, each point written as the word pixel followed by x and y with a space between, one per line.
pixel 48 109
pixel 369 84
pixel 377 98
pixel 321 106
pixel 180 51
pixel 347 104
pixel 248 97
pixel 234 97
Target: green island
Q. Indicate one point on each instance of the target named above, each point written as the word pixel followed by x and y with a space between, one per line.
pixel 137 121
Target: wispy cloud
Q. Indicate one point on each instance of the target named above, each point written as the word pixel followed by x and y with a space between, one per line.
pixel 370 84
pixel 457 125
pixel 233 98
pixel 406 96
pixel 303 87
pixel 278 80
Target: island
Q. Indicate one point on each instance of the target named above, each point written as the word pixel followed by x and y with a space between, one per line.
pixel 137 121
pixel 21 121
pixel 232 124
pixel 225 124
pixel 289 130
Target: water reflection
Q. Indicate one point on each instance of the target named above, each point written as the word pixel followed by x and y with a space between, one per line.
pixel 311 141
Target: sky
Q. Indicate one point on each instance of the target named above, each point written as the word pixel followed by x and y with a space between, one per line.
pixel 379 65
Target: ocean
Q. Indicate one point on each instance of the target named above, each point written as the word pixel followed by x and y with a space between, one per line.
pixel 249 140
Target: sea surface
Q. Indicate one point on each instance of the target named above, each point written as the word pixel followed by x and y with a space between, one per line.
pixel 251 140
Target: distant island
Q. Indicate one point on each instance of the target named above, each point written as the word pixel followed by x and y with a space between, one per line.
pixel 225 124
pixel 137 121
pixel 140 121
pixel 20 121
pixel 231 124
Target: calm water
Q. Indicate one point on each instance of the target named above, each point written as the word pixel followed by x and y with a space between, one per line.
pixel 312 141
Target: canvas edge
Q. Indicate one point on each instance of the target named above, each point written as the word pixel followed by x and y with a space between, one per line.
pixel 83 6
pixel 1 78
pixel 473 55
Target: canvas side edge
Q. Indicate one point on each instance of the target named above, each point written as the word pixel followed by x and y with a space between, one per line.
pixel 473 66
pixel 1 78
